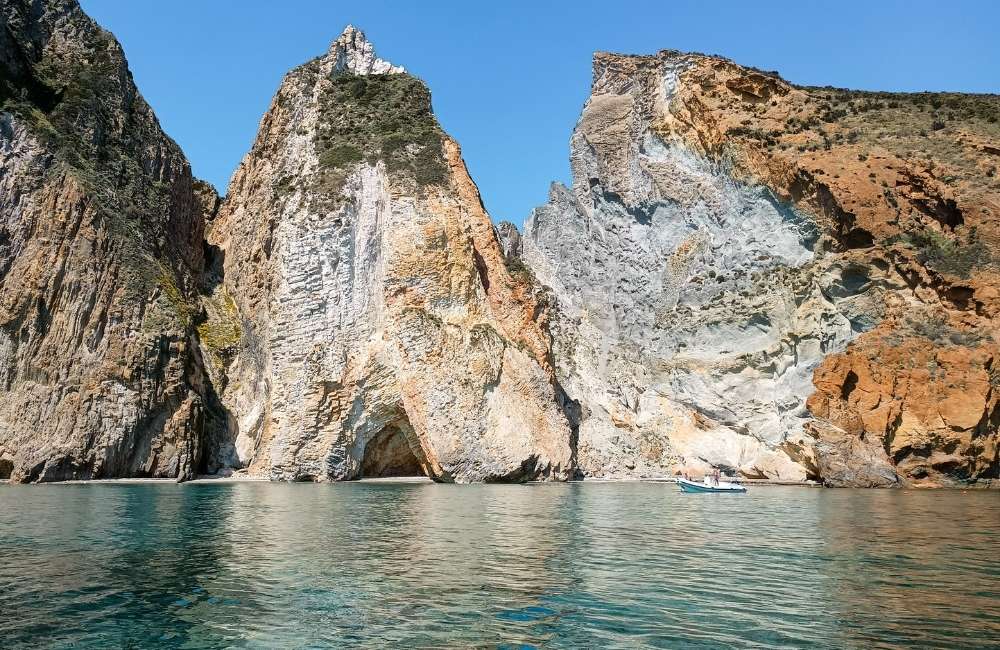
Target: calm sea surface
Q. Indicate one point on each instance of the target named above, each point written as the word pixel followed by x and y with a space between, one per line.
pixel 379 565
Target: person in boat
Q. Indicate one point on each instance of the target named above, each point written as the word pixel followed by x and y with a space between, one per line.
pixel 716 475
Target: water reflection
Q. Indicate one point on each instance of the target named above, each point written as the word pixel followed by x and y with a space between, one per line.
pixel 905 561
pixel 609 565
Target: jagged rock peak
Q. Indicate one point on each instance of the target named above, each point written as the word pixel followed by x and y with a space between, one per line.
pixel 510 239
pixel 353 52
pixel 378 327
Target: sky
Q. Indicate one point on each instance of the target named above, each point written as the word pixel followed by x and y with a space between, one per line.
pixel 509 79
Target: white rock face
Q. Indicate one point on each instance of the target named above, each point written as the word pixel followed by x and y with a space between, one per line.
pixel 692 308
pixel 352 52
pixel 377 314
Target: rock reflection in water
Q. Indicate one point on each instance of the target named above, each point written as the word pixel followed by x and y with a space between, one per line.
pixel 380 564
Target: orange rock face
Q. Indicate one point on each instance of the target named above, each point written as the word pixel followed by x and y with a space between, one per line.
pixel 680 163
pixel 904 186
pixel 933 405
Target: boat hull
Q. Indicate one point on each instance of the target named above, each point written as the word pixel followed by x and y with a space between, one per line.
pixel 692 487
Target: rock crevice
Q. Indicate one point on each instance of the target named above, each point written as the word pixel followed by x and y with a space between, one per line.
pixel 744 274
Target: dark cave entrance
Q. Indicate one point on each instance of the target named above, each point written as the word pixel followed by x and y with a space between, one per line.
pixel 6 469
pixel 391 453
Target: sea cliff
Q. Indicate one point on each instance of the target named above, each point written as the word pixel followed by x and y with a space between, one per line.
pixel 782 282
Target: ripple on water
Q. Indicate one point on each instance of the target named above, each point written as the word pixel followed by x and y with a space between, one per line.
pixel 599 565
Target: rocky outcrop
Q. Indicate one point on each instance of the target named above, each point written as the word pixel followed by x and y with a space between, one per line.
pixel 781 281
pixel 929 399
pixel 366 312
pixel 510 240
pixel 100 251
pixel 745 272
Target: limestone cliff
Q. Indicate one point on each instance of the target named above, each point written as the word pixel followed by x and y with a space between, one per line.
pixel 784 281
pixel 100 251
pixel 788 282
pixel 366 322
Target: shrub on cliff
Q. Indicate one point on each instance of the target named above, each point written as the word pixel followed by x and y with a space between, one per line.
pixel 948 255
pixel 384 117
pixel 340 156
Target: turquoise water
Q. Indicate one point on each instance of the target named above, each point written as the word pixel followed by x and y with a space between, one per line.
pixel 565 566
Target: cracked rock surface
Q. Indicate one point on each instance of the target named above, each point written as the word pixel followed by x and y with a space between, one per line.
pixel 780 281
pixel 372 294
pixel 723 301
pixel 100 251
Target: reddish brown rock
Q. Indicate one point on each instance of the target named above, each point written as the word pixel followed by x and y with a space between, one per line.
pixel 900 190
pixel 903 192
pixel 100 253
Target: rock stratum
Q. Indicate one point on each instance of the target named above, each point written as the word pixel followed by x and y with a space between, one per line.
pixel 370 304
pixel 784 282
pixel 100 253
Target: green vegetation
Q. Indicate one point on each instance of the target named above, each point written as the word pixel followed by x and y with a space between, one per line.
pixel 950 255
pixel 174 296
pixel 545 299
pixel 221 331
pixel 104 136
pixel 284 185
pixel 936 328
pixel 340 156
pixel 841 103
pixel 68 101
pixel 379 117
pixel 769 138
pixel 171 310
pixel 519 270
pixel 924 126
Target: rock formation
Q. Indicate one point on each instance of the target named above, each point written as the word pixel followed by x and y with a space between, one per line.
pixel 100 252
pixel 782 281
pixel 766 278
pixel 366 320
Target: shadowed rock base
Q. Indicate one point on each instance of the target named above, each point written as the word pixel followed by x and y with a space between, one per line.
pixel 389 454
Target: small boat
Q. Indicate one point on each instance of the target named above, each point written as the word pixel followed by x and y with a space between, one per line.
pixel 708 485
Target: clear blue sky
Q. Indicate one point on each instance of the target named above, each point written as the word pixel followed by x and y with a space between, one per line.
pixel 509 78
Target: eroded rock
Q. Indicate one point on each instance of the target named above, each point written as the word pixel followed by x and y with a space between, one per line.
pixel 100 250
pixel 372 293
pixel 728 266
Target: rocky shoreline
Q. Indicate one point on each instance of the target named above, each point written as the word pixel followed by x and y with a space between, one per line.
pixel 790 284
pixel 987 484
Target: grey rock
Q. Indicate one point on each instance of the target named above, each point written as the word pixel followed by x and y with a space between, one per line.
pixel 692 307
pixel 100 253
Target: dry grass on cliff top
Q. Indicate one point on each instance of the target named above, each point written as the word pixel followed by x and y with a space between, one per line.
pixel 953 131
pixel 939 151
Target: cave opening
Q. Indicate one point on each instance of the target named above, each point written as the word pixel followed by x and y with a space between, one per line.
pixel 393 452
pixel 850 383
pixel 6 469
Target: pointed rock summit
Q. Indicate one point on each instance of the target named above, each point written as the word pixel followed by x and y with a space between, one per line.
pixel 354 53
pixel 744 275
pixel 379 331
